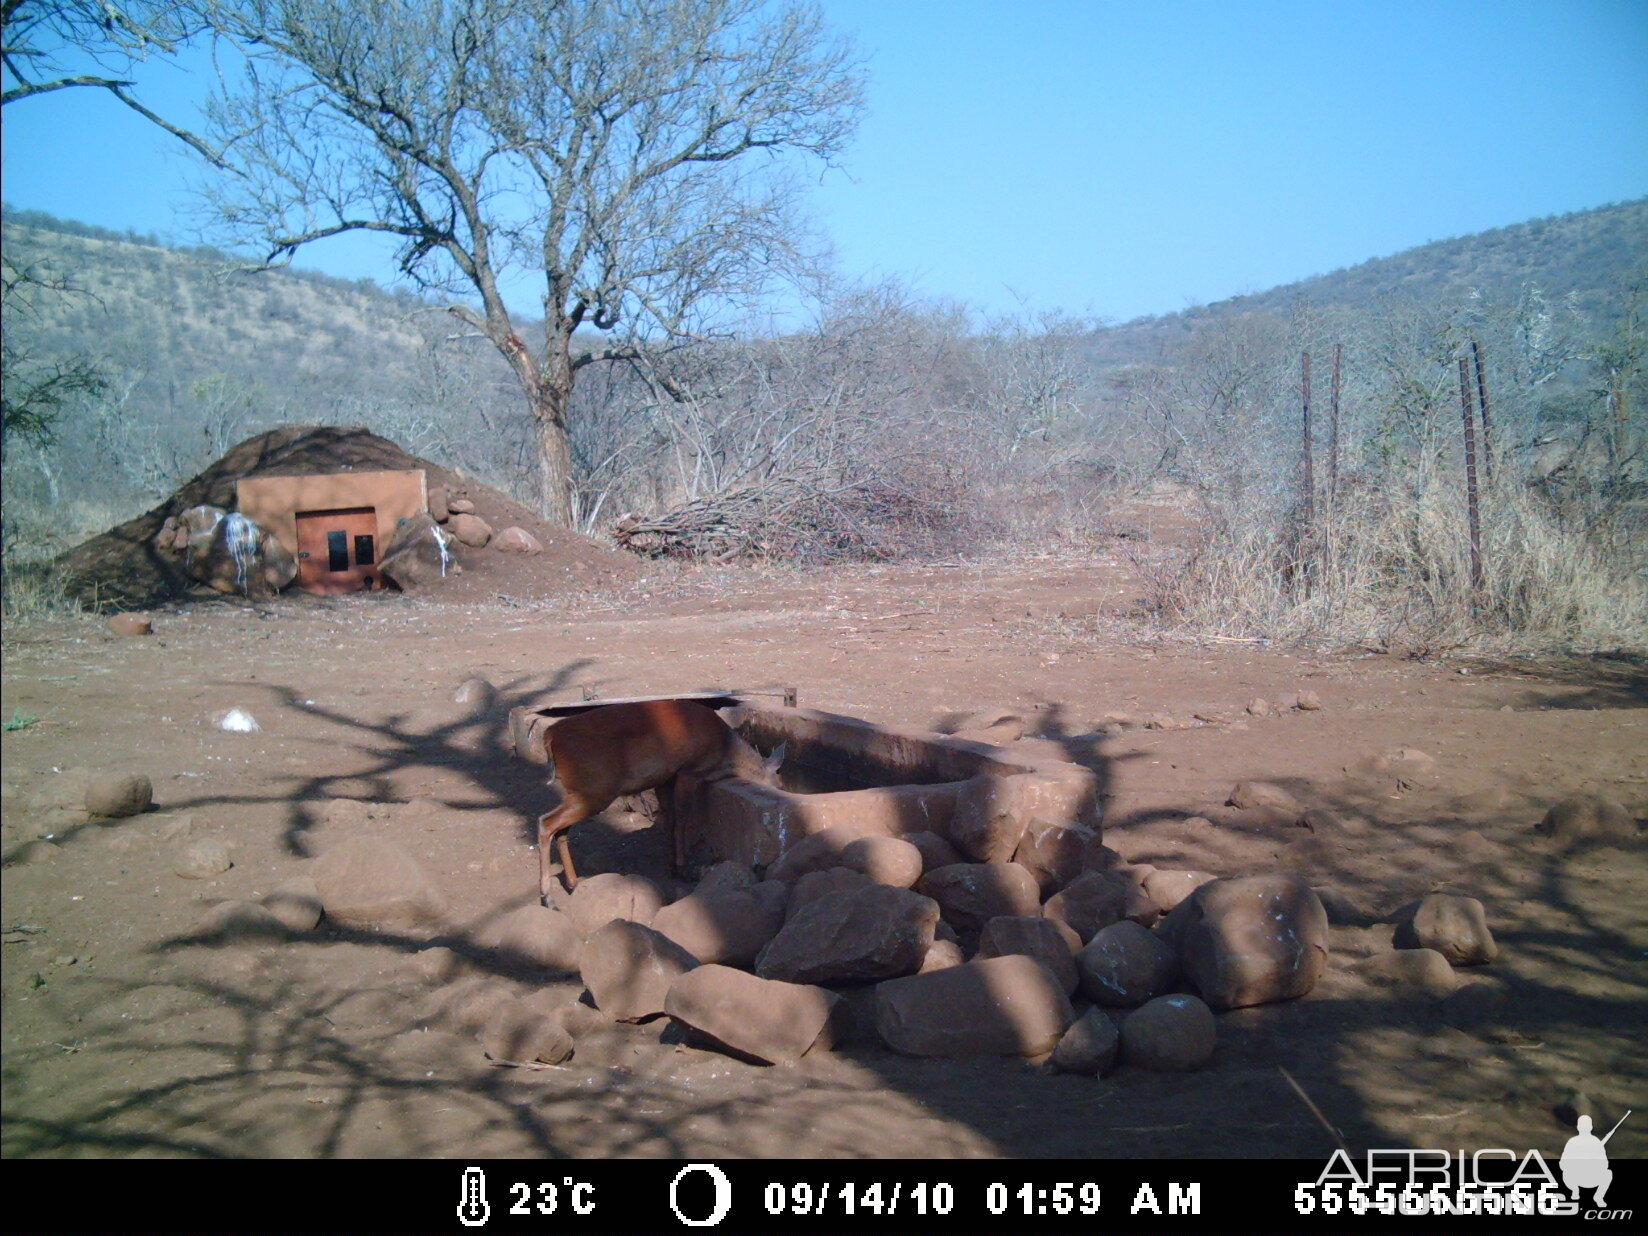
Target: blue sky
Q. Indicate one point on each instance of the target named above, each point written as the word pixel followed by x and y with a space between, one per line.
pixel 1113 159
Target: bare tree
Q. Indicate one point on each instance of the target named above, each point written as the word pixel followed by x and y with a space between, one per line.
pixel 40 38
pixel 629 159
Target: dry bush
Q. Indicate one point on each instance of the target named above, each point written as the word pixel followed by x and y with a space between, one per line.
pixel 1389 563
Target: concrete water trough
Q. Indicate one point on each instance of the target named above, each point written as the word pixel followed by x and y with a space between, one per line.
pixel 864 779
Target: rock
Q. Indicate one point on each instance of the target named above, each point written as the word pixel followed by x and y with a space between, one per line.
pixel 1168 888
pixel 131 624
pixel 725 877
pixel 970 894
pixel 1309 701
pixel 1402 763
pixel 231 553
pixel 941 955
pixel 240 920
pixel 1049 942
pixel 202 859
pixel 1248 794
pixel 1098 899
pixel 33 853
pixel 296 903
pixel 772 1021
pixel 470 530
pixel 535 938
pixel 516 540
pixel 439 511
pixel 1162 721
pixel 723 926
pixel 1409 970
pixel 816 852
pixel 885 860
pixel 581 1020
pixel 1003 724
pixel 370 882
pixel 517 1033
pixel 1056 853
pixel 1585 818
pixel 1170 1034
pixel 1455 926
pixel 1259 707
pixel 117 795
pixel 1000 1006
pixel 864 934
pixel 460 506
pixel 475 693
pixel 1124 965
pixel 1089 1047
pixel 599 899
pixel 237 721
pixel 816 885
pixel 629 969
pixel 418 554
pixel 1250 941
pixel 935 850
pixel 990 818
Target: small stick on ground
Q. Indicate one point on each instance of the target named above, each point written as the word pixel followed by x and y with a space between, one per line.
pixel 1314 1110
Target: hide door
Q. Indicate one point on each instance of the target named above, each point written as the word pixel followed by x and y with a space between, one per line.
pixel 338 550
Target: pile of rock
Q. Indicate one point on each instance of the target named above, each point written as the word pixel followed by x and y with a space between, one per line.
pixel 452 509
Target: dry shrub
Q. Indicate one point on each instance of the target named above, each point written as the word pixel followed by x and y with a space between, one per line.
pixel 1391 563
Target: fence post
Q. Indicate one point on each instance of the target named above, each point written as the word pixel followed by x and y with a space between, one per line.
pixel 1470 481
pixel 1482 402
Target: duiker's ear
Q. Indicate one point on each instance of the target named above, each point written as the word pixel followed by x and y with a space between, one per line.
pixel 775 759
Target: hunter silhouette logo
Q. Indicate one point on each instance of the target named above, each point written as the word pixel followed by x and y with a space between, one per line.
pixel 1585 1161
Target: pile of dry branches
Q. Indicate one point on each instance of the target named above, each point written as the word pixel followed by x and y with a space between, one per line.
pixel 796 520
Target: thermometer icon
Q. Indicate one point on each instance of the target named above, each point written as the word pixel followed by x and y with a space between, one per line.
pixel 474 1209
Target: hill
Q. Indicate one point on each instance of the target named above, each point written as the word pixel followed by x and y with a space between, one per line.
pixel 1584 258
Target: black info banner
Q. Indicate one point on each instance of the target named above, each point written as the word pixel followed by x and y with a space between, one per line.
pixel 1387 1191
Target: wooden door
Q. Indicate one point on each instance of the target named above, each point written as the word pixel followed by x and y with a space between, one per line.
pixel 338 550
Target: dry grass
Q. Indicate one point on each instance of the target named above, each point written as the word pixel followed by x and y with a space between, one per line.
pixel 1390 564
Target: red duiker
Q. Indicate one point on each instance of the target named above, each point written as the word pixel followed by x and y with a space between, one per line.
pixel 596 756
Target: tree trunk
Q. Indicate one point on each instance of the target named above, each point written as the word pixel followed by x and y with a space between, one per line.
pixel 549 404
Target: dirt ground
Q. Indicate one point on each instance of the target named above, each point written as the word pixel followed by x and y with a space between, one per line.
pixel 126 1033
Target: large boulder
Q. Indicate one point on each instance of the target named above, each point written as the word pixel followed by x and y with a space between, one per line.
pixel 629 969
pixel 971 894
pixel 1588 818
pixel 599 899
pixel 117 795
pixel 1124 965
pixel 418 554
pixel 1455 926
pixel 516 540
pixel 1252 940
pixel 1089 1047
pixel 370 882
pixel 862 934
pixel 772 1021
pixel 470 529
pixel 998 1006
pixel 535 938
pixel 886 860
pixel 1098 899
pixel 1173 1034
pixel 1056 853
pixel 818 851
pixel 228 551
pixel 1049 942
pixel 729 925
pixel 990 817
